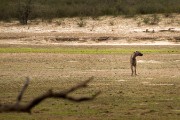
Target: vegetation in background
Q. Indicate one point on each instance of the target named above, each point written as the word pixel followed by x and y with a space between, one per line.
pixel 81 23
pixel 24 11
pixel 49 9
pixel 152 20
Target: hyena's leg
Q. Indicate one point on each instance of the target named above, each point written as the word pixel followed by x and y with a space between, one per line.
pixel 132 70
pixel 135 70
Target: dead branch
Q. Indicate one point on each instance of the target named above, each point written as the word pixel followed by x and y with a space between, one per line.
pixel 22 91
pixel 17 107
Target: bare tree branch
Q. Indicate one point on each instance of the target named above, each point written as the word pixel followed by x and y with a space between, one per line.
pixel 49 94
pixel 23 90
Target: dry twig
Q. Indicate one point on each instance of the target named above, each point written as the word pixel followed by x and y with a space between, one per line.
pixel 17 107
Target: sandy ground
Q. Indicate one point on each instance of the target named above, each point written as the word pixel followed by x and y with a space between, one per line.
pixel 88 31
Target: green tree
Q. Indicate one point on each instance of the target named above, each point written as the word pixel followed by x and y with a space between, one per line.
pixel 24 11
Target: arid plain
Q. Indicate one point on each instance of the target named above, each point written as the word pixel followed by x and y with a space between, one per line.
pixel 61 53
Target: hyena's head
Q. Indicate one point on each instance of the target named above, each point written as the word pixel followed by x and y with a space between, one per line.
pixel 137 53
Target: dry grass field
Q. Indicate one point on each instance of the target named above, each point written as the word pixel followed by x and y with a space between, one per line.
pixel 153 94
pixel 64 52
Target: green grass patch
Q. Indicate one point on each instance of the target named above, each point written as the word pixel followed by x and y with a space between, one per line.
pixel 87 50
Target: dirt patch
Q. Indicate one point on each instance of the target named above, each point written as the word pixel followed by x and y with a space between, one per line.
pixel 149 61
pixel 161 84
pixel 121 80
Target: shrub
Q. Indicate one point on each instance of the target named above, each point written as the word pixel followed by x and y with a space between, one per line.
pixel 152 20
pixel 81 23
